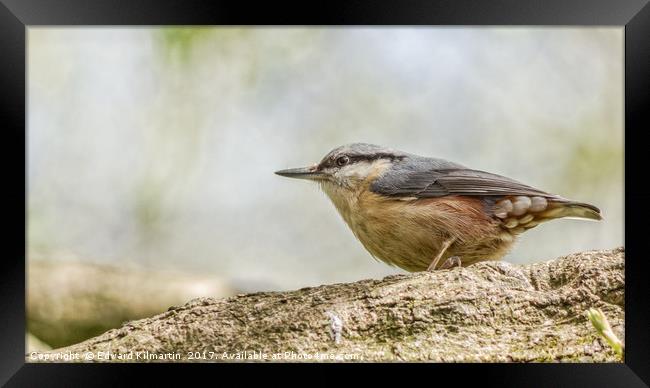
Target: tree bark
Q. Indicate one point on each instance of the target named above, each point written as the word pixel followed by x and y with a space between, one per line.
pixel 491 311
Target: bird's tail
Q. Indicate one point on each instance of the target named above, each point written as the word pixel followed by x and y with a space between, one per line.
pixel 571 209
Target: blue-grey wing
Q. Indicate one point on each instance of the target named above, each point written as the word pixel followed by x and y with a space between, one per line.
pixel 428 183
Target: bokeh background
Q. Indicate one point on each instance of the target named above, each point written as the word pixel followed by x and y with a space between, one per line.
pixel 156 147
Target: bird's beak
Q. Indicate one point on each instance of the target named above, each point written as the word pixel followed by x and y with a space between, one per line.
pixel 310 172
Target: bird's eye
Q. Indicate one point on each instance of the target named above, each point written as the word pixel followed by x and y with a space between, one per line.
pixel 342 161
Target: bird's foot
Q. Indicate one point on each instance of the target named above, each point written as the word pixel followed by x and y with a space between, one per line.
pixel 451 262
pixel 443 249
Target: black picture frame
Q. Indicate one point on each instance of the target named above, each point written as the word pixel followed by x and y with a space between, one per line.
pixel 634 15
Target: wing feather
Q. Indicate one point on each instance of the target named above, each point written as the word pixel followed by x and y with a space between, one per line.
pixel 443 182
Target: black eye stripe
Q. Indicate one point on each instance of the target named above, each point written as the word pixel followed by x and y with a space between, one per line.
pixel 352 158
pixel 370 158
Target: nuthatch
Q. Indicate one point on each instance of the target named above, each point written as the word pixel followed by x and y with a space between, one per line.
pixel 413 211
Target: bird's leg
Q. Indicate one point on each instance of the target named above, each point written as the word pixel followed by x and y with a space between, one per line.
pixel 443 249
pixel 451 262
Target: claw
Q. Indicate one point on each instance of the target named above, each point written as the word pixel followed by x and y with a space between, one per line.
pixel 451 262
pixel 443 249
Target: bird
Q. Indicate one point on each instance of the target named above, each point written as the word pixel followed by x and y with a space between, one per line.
pixel 425 213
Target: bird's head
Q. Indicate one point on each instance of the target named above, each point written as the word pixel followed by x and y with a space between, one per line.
pixel 347 167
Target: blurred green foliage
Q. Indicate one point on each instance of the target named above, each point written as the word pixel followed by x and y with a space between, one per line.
pixel 177 43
